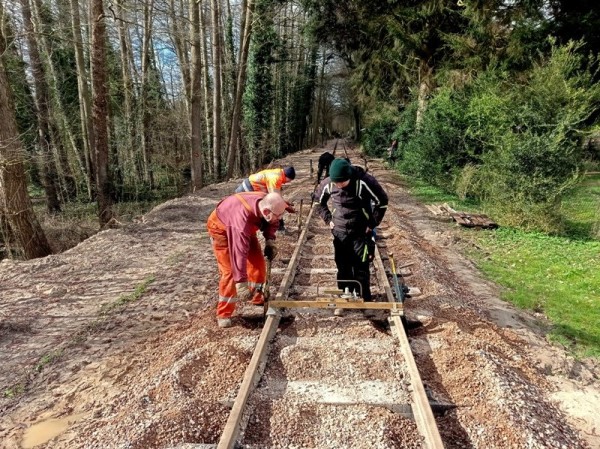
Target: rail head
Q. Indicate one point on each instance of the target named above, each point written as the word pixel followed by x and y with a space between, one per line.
pixel 255 368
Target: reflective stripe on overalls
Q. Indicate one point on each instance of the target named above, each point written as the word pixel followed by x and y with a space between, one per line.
pixel 256 268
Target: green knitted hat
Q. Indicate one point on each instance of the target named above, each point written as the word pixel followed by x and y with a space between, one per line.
pixel 340 170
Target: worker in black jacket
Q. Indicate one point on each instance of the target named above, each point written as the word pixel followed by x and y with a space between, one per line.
pixel 325 161
pixel 359 204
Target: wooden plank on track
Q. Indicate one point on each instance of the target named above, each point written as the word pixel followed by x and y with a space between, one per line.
pixel 307 270
pixel 318 256
pixel 422 411
pixel 336 304
pixel 257 362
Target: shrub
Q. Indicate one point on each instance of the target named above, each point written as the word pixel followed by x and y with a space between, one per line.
pixel 535 153
pixel 513 144
pixel 376 138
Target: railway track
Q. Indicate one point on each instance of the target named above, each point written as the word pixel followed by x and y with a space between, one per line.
pixel 316 380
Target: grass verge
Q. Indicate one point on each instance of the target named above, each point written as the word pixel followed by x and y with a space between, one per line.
pixel 558 276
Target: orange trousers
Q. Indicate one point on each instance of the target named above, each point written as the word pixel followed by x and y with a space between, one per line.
pixel 255 268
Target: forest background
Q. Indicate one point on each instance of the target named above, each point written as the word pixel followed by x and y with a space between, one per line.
pixel 105 104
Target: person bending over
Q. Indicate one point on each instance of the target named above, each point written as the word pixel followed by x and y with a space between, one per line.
pixel 325 161
pixel 269 180
pixel 232 227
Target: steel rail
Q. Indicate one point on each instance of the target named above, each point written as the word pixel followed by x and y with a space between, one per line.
pixel 421 409
pixel 422 412
pixel 257 363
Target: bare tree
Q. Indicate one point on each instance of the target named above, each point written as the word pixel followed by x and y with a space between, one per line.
pixel 147 59
pixel 15 204
pixel 206 78
pixel 216 45
pixel 85 99
pixel 196 99
pixel 128 94
pixel 47 163
pixel 239 89
pixel 100 113
pixel 179 44
pixel 61 128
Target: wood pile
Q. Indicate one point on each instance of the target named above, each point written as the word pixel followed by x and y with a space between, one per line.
pixel 469 220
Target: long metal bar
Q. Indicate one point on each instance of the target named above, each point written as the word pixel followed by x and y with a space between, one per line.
pixel 399 289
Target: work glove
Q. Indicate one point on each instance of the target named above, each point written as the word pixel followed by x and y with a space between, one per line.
pixel 270 249
pixel 243 292
pixel 290 208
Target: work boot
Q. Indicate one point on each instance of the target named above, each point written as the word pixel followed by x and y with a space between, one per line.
pixel 224 322
pixel 338 312
pixel 258 299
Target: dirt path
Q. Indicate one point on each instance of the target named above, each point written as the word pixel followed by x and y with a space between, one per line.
pixel 114 344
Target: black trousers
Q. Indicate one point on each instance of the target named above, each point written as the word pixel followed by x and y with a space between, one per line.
pixel 352 258
pixel 322 168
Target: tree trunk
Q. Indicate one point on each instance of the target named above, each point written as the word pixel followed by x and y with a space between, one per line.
pixel 47 163
pixel 196 100
pixel 15 204
pixel 85 101
pixel 181 49
pixel 357 124
pixel 216 45
pixel 100 109
pixel 234 141
pixel 128 96
pixel 425 88
pixel 59 123
pixel 319 128
pixel 146 114
pixel 206 85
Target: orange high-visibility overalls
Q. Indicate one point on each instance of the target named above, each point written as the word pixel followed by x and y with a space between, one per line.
pixel 255 266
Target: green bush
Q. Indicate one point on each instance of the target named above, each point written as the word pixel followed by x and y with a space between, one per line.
pixel 536 155
pixel 378 135
pixel 512 144
pixel 437 148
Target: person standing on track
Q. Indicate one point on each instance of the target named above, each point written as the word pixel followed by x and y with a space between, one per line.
pixel 359 204
pixel 325 161
pixel 232 227
pixel 392 152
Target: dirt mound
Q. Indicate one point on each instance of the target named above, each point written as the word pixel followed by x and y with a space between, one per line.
pixel 114 344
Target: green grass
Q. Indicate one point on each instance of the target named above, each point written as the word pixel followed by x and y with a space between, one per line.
pixel 581 209
pixel 556 275
pixel 428 194
pixel 127 298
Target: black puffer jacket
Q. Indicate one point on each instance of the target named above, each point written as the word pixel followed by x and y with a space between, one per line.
pixel 361 204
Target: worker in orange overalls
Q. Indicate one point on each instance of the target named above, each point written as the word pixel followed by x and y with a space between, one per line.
pixel 268 181
pixel 232 227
